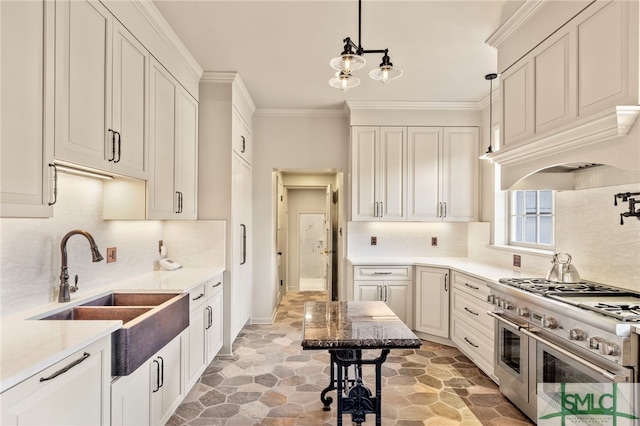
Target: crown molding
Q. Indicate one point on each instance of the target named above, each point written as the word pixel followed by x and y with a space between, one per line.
pixel 300 112
pixel 164 30
pixel 402 105
pixel 233 78
pixel 515 21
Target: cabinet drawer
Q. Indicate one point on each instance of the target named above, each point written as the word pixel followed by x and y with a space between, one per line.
pixel 213 286
pixel 197 297
pixel 471 285
pixel 383 273
pixel 473 310
pixel 474 345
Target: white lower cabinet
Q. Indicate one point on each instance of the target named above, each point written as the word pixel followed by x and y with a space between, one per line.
pixel 472 330
pixel 151 394
pixel 74 391
pixel 389 284
pixel 205 329
pixel 432 301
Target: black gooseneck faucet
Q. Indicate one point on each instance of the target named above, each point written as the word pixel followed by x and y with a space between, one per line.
pixel 64 295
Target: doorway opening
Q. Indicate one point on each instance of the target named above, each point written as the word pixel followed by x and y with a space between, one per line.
pixel 309 247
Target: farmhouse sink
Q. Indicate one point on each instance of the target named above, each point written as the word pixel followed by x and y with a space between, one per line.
pixel 150 321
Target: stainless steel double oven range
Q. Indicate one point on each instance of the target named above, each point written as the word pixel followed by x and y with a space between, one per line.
pixel 549 333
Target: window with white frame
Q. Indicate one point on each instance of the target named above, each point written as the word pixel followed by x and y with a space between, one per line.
pixel 532 217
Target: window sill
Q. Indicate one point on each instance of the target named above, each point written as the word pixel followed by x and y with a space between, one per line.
pixel 523 250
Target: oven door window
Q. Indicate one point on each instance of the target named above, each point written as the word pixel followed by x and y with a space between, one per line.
pixel 512 354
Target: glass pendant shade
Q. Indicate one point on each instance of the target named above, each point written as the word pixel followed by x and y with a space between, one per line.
pixel 348 62
pixel 344 81
pixel 385 73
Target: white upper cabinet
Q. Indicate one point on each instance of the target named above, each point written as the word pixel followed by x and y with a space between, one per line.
pixel 26 108
pixel 442 174
pixel 101 91
pixel 241 136
pixel 572 84
pixel 173 118
pixel 378 167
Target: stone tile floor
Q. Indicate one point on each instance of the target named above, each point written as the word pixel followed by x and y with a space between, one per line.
pixel 270 380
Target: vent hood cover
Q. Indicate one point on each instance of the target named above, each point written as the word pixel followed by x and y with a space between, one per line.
pixel 596 142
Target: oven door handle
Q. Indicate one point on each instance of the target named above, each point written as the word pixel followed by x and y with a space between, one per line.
pixel 606 373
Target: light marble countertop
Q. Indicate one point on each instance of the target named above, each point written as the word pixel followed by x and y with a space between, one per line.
pixel 28 346
pixel 479 270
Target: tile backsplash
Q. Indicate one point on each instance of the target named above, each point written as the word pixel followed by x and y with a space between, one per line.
pixel 30 255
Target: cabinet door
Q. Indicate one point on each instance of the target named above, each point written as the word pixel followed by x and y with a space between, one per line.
pixel 130 100
pixel 607 60
pixel 162 101
pixel 554 81
pixel 398 298
pixel 391 174
pixel 424 177
pixel 196 358
pixel 432 301
pixel 368 291
pixel 81 380
pixel 241 135
pixel 168 374
pixel 186 155
pixel 83 82
pixel 516 92
pixel 214 332
pixel 130 398
pixel 26 108
pixel 460 174
pixel 241 243
pixel 364 162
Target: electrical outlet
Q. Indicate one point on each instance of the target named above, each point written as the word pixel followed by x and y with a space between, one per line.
pixel 112 254
pixel 374 241
pixel 517 260
pixel 160 244
pixel 434 241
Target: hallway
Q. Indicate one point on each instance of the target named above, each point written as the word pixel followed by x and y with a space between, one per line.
pixel 271 381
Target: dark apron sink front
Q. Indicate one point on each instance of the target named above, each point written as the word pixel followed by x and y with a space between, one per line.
pixel 150 321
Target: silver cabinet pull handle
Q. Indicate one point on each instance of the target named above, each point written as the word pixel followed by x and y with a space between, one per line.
pixel 445 209
pixel 55 185
pixel 66 368
pixel 445 282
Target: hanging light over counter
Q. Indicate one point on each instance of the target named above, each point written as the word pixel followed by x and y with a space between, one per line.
pixel 351 59
pixel 485 156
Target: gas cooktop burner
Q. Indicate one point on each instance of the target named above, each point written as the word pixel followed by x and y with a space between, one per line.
pixel 621 311
pixel 543 286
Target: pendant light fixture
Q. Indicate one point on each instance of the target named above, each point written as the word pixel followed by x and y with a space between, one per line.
pixel 351 59
pixel 490 77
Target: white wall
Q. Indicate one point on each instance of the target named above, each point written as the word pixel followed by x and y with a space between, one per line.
pixel 588 227
pixel 407 239
pixel 286 143
pixel 302 201
pixel 30 256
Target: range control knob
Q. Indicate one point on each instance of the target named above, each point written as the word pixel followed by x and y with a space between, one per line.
pixel 576 334
pixel 594 342
pixel 549 322
pixel 523 311
pixel 491 299
pixel 499 302
pixel 507 305
pixel 608 348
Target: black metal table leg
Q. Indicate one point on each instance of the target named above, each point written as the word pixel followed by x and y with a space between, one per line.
pixel 357 400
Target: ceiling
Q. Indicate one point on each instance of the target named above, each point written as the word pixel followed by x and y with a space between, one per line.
pixel 281 49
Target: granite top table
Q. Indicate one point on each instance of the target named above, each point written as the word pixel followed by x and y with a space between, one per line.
pixel 345 329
